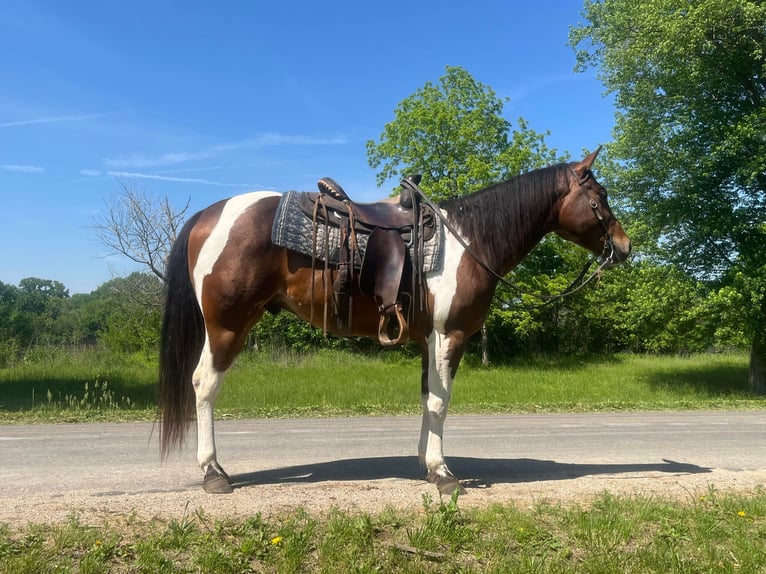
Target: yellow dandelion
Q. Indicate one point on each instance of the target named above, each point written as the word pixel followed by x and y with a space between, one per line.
pixel 276 540
pixel 741 513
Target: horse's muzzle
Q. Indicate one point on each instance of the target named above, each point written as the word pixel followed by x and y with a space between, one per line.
pixel 621 248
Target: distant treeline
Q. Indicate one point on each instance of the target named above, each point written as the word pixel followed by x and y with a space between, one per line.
pixel 640 307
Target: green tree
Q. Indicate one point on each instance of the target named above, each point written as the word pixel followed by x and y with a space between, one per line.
pixel 9 344
pixel 689 78
pixel 455 135
pixel 128 313
pixel 38 306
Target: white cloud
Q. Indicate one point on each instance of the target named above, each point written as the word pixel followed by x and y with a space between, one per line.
pixel 139 175
pixel 22 168
pixel 56 119
pixel 136 160
pixel 260 141
pixel 267 139
pixel 90 172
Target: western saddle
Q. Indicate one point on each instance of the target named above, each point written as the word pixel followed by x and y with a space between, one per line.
pixel 390 228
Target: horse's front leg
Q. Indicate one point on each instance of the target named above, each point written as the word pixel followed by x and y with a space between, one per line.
pixel 440 362
pixel 207 382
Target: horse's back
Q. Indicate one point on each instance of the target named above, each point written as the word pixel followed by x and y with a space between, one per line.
pixel 230 225
pixel 242 217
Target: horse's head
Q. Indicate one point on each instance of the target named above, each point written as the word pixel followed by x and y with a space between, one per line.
pixel 585 217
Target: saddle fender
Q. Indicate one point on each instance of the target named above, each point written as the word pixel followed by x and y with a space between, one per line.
pixel 381 277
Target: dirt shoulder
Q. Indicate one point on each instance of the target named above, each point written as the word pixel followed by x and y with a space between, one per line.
pixel 369 496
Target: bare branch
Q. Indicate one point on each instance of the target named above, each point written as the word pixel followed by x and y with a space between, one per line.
pixel 139 227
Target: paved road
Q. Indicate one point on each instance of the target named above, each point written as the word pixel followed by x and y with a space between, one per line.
pixel 103 470
pixel 109 458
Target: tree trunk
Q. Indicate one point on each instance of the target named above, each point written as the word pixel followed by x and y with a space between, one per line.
pixel 484 346
pixel 757 377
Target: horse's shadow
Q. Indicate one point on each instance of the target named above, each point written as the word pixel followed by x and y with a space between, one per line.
pixel 474 472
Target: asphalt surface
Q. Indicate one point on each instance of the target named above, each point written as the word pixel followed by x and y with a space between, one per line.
pixel 111 459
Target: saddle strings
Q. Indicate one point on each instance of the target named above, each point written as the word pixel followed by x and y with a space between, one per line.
pixel 353 248
pixel 313 257
pixel 325 274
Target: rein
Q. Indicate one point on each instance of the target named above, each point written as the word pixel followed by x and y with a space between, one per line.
pixel 574 287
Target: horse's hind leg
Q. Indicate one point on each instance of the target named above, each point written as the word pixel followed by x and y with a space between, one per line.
pixel 222 345
pixel 207 383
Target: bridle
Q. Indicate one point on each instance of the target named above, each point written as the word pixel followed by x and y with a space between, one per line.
pixel 608 242
pixel 576 285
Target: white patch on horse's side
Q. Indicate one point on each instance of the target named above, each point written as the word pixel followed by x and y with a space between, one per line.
pixel 219 237
pixel 443 283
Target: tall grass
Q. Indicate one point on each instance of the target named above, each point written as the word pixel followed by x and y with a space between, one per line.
pixel 90 385
pixel 60 385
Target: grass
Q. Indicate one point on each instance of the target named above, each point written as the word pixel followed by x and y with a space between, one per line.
pixel 88 386
pixel 711 533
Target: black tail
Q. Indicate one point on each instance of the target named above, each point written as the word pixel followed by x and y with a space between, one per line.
pixel 183 335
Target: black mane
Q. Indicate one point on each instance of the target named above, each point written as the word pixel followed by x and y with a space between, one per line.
pixel 505 216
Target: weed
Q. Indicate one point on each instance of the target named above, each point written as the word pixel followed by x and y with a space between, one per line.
pixel 99 397
pixel 443 526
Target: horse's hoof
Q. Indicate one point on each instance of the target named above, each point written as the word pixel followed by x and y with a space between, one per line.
pixel 446 483
pixel 215 482
pixel 448 486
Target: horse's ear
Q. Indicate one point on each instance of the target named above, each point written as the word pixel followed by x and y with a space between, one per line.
pixel 583 167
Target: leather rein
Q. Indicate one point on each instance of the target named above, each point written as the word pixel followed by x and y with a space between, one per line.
pixel 574 287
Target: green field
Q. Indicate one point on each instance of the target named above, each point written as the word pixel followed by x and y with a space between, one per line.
pixel 89 386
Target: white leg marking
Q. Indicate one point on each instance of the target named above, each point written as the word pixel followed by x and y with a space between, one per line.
pixel 435 405
pixel 443 285
pixel 207 383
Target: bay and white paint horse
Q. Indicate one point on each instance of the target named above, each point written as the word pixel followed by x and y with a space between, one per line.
pixel 224 272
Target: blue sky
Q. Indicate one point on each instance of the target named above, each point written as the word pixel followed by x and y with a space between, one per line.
pixel 201 100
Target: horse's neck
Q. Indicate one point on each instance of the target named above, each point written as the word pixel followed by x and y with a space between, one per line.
pixel 503 228
pixel 513 257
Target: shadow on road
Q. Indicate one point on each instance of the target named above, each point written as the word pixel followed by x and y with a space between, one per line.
pixel 474 472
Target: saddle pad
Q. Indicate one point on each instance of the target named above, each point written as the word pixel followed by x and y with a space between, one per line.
pixel 294 230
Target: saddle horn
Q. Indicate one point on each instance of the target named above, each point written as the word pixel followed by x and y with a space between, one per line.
pixel 406 200
pixel 329 186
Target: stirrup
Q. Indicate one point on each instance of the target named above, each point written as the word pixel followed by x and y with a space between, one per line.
pixel 385 320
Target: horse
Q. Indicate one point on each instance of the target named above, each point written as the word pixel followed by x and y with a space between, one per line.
pixel 224 272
